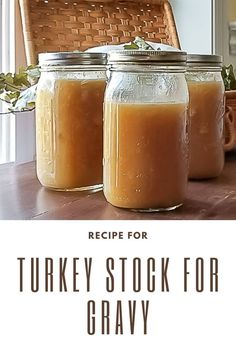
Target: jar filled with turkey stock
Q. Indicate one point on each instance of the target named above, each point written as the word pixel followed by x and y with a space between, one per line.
pixel 69 120
pixel 206 113
pixel 145 130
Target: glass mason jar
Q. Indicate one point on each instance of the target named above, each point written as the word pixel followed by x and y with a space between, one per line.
pixel 206 112
pixel 145 130
pixel 69 120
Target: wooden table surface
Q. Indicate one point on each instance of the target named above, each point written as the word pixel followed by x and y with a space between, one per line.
pixel 22 197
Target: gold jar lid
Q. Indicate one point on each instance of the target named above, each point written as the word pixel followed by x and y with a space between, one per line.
pixel 72 58
pixel 150 57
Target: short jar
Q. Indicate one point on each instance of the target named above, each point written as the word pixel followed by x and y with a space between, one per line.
pixel 206 113
pixel 69 120
pixel 145 130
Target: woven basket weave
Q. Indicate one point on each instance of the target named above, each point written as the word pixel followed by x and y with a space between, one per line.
pixel 67 25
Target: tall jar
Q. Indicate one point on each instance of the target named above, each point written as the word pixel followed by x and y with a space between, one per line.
pixel 69 120
pixel 145 130
pixel 206 112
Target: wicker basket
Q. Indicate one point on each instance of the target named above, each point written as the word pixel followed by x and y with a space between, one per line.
pixel 67 25
pixel 230 120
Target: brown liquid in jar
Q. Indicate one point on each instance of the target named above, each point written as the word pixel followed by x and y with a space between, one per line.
pixel 69 134
pixel 206 129
pixel 145 155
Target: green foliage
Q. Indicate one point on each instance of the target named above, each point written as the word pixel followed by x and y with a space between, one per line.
pixel 229 77
pixel 26 100
pixel 19 90
pixel 139 43
pixel 131 46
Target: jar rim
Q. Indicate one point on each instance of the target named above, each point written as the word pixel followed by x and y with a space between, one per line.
pixel 204 60
pixel 71 58
pixel 156 57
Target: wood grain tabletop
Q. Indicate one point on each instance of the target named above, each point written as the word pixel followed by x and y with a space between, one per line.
pixel 23 198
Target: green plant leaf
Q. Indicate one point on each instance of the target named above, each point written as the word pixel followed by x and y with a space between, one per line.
pixel 33 73
pixel 21 80
pixel 229 77
pixel 138 43
pixel 19 89
pixel 26 100
pixel 131 46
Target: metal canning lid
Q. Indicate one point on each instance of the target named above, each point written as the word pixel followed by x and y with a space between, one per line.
pixel 156 57
pixel 204 60
pixel 72 58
